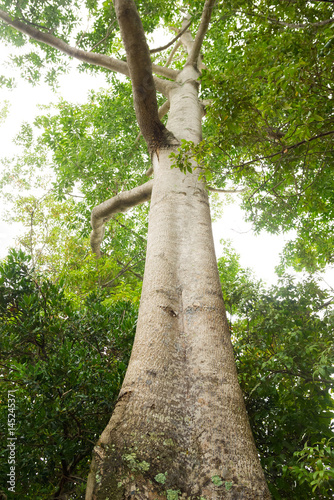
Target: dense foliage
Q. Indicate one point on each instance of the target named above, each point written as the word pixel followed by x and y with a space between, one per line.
pixel 66 365
pixel 66 360
pixel 283 342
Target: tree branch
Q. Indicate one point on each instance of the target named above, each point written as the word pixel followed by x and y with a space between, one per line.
pixel 106 36
pixel 162 111
pixel 120 203
pixel 125 268
pixel 203 27
pixel 302 25
pixel 88 57
pixel 326 304
pixel 53 41
pixel 140 68
pixel 285 150
pixel 291 25
pixel 130 269
pixel 164 47
pixel 171 55
pixel 164 71
pixel 305 376
pixel 229 191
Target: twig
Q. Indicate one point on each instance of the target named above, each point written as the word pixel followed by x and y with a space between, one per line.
pixel 286 149
pixel 171 55
pixel 164 47
pixel 105 37
pixel 126 268
pixel 326 304
pixel 230 191
pixel 130 230
pixel 292 25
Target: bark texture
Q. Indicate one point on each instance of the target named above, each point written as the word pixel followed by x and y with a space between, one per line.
pixel 180 410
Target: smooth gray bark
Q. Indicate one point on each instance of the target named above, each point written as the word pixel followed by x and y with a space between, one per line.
pixel 180 410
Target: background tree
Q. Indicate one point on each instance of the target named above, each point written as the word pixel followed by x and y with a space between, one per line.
pixel 66 362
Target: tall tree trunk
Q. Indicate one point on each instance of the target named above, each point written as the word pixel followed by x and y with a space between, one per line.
pixel 180 412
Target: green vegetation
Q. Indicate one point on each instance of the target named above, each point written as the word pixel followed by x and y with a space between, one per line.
pixel 283 342
pixel 66 363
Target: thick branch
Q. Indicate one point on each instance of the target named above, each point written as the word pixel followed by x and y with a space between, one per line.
pixel 88 57
pixel 163 110
pixel 120 203
pixel 164 71
pixel 163 86
pixel 53 41
pixel 285 150
pixel 203 27
pixel 140 67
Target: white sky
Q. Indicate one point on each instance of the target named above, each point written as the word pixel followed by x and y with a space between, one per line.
pixel 24 100
pixel 261 253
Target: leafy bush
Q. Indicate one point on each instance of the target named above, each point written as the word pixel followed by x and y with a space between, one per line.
pixel 66 366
